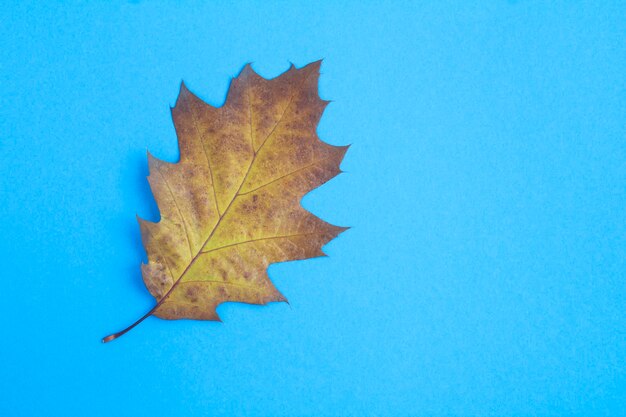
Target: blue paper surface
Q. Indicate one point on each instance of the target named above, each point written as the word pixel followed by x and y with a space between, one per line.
pixel 484 274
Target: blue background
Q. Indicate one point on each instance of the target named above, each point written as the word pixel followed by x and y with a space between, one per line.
pixel 484 273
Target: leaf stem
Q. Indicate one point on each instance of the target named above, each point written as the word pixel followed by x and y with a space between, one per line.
pixel 149 313
pixel 129 328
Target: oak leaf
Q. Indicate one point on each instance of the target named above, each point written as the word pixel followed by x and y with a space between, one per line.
pixel 231 206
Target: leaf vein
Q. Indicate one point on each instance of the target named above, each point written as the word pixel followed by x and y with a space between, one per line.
pixel 208 161
pixel 286 175
pixel 180 213
pixel 259 239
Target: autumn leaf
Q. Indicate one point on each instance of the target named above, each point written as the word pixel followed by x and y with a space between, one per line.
pixel 231 206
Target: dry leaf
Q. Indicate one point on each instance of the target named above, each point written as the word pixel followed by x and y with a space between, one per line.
pixel 231 206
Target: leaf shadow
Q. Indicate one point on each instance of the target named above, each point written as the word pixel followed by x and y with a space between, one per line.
pixel 139 188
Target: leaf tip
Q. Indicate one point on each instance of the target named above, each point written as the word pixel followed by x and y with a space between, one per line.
pixel 183 92
pixel 246 70
pixel 282 299
pixel 313 66
pixel 153 162
pixel 344 149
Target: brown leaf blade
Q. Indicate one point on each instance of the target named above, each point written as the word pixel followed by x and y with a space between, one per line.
pixel 231 206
